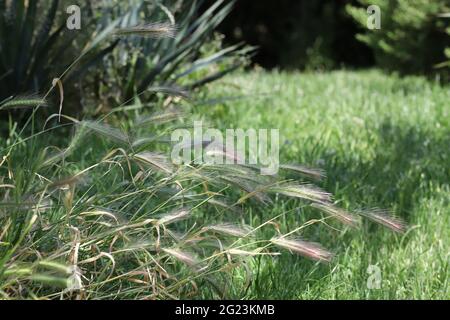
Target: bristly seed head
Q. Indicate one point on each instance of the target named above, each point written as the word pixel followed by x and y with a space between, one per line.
pixel 307 249
pixel 302 191
pixel 383 217
pixel 338 213
pixel 21 102
pixel 317 174
pixel 174 216
pixel 155 30
pixel 229 229
pixel 182 256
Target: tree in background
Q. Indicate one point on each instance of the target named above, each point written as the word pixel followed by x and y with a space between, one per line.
pixel 298 33
pixel 412 38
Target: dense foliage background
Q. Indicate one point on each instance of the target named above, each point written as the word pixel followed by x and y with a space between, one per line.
pixel 37 47
pixel 327 34
pixel 298 34
pixel 413 37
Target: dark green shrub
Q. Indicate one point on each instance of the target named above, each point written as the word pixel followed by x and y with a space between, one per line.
pixel 191 59
pixel 412 37
pixel 36 46
pixel 36 50
pixel 446 64
pixel 298 33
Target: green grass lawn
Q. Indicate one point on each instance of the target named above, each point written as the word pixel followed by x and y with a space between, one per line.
pixel 97 207
pixel 384 142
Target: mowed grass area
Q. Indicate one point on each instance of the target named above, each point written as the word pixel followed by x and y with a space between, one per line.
pixel 384 142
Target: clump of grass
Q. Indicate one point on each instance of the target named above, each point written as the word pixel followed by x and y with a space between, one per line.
pixel 130 219
pixel 122 221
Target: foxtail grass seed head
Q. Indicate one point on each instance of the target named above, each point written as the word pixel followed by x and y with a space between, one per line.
pixel 302 191
pixel 23 102
pixel 160 117
pixel 230 229
pixel 316 174
pixel 182 256
pixel 338 213
pixel 170 91
pixel 157 30
pixel 309 250
pixel 174 216
pixel 106 131
pixel 384 218
pixel 157 160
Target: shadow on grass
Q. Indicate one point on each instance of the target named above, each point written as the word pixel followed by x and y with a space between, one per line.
pixel 407 163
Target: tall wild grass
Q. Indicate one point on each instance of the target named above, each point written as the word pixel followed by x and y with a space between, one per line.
pixel 105 214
